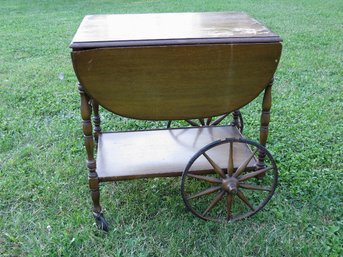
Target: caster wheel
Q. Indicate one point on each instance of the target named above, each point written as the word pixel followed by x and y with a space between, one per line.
pixel 100 221
pixel 234 192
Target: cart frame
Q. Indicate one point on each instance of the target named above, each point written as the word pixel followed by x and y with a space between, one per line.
pixel 240 67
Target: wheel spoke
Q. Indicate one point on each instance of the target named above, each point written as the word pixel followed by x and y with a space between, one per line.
pixel 216 168
pixel 202 122
pixel 244 199
pixel 208 121
pixel 254 174
pixel 228 191
pixel 217 121
pixel 253 187
pixel 218 197
pixel 205 192
pixel 244 165
pixel 205 178
pixel 229 201
pixel 194 124
pixel 230 166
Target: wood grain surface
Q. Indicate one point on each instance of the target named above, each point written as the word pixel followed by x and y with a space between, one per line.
pixel 176 82
pixel 169 28
pixel 159 153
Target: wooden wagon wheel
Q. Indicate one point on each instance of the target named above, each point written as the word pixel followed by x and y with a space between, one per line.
pixel 214 121
pixel 233 193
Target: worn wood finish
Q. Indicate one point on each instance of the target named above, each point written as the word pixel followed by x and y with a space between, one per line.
pixel 170 29
pixel 163 153
pixel 86 112
pixel 176 82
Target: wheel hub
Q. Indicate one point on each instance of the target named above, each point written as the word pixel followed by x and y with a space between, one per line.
pixel 230 185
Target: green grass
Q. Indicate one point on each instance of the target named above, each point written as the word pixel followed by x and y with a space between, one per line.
pixel 44 201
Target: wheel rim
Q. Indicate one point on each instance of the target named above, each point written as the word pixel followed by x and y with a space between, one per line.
pixel 233 193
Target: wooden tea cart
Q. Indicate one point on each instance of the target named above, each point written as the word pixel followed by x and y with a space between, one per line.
pixel 197 67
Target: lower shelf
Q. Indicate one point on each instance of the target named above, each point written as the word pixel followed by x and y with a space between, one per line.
pixel 163 153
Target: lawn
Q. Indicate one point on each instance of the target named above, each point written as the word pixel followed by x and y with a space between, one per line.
pixel 45 208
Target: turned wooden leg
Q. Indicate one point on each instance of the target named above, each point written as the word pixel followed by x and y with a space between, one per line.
pixel 96 121
pixel 237 120
pixel 235 115
pixel 86 112
pixel 265 118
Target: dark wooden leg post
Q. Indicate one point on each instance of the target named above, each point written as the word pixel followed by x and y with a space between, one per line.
pixel 237 120
pixel 265 118
pixel 96 121
pixel 86 112
pixel 235 115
